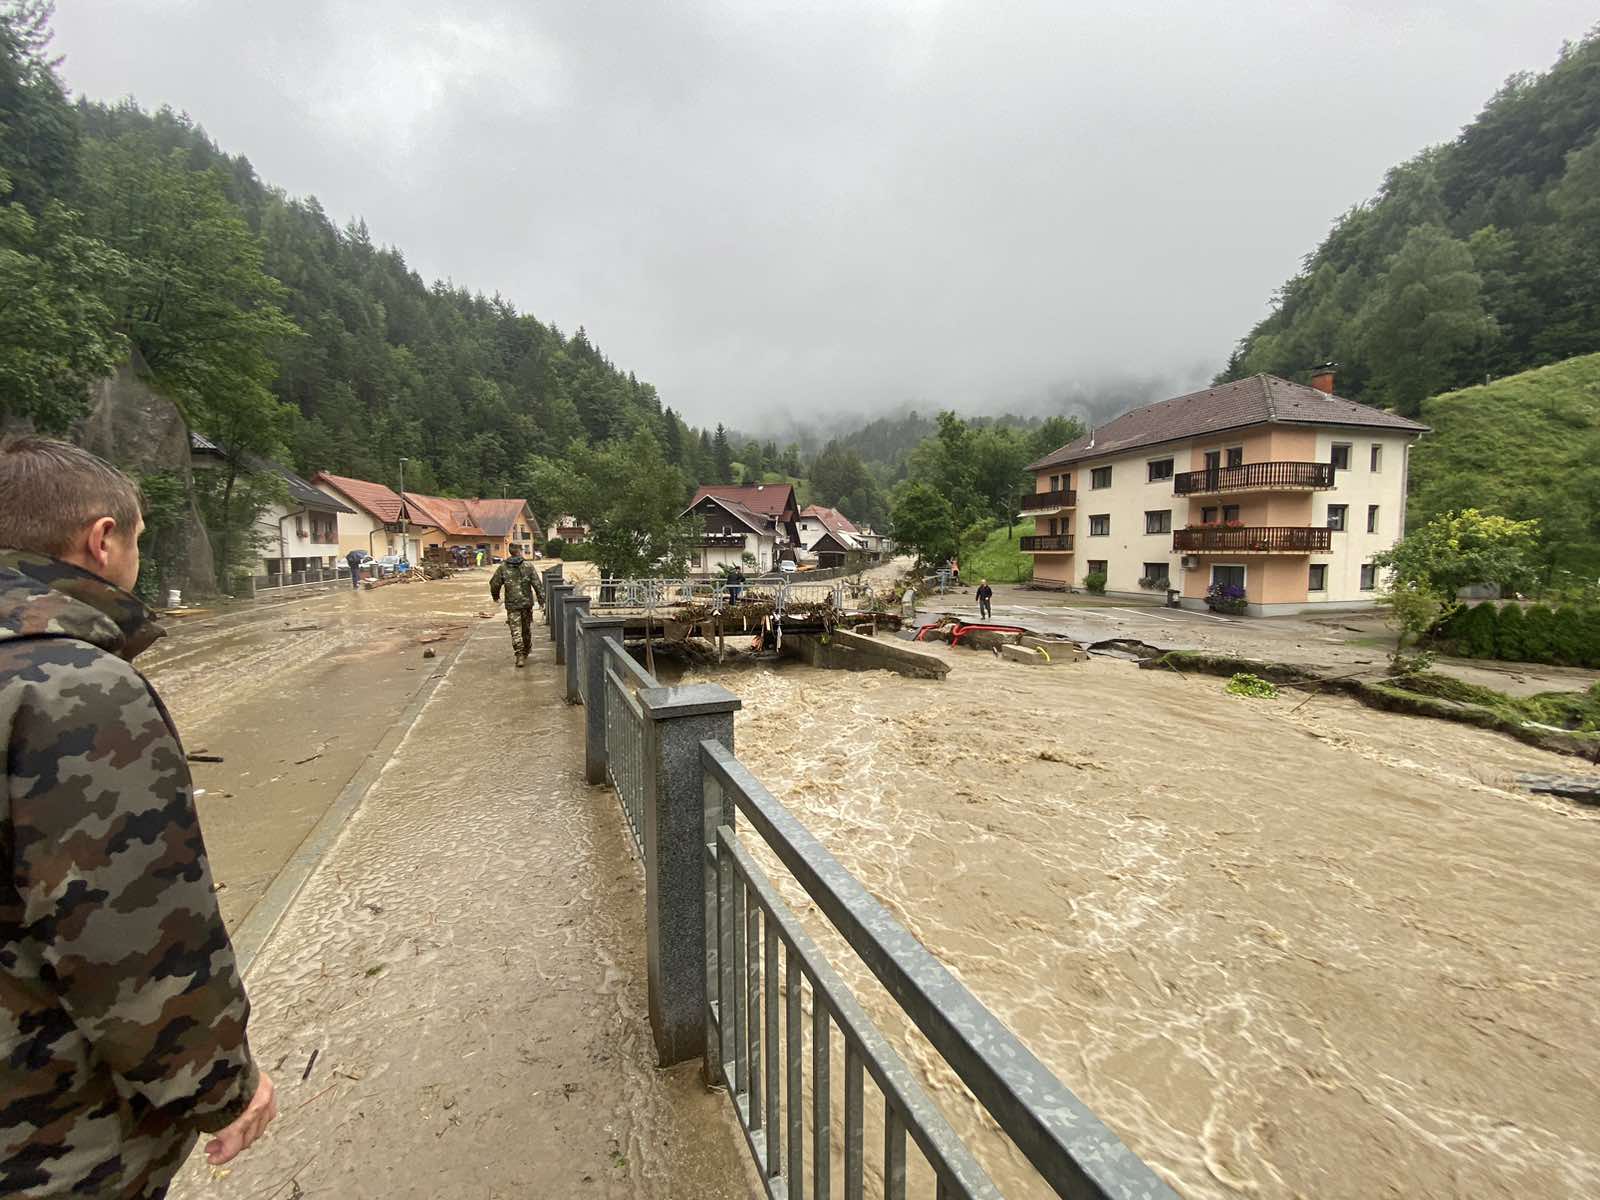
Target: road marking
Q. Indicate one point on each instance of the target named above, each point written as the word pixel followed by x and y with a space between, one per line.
pixel 1139 612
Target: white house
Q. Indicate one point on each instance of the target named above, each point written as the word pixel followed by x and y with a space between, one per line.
pixel 753 519
pixel 300 533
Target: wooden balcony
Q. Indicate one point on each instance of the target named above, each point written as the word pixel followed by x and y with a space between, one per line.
pixel 1049 501
pixel 1253 539
pixel 1255 477
pixel 721 539
pixel 1050 543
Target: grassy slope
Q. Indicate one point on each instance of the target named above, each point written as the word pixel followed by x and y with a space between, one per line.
pixel 997 558
pixel 1524 446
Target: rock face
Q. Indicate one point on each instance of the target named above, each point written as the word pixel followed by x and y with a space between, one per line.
pixel 142 432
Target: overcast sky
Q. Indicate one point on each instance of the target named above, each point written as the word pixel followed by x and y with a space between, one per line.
pixel 784 207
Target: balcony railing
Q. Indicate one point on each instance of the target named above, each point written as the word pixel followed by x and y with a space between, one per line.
pixel 1254 539
pixel 1287 476
pixel 1040 501
pixel 721 539
pixel 1051 541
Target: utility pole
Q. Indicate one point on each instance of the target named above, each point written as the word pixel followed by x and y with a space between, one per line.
pixel 405 551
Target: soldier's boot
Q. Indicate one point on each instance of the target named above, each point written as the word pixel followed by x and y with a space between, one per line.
pixel 522 660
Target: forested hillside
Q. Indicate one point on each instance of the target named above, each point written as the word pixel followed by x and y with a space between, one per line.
pixel 1479 258
pixel 1525 447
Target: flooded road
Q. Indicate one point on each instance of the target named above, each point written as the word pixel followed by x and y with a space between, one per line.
pixel 1317 952
pixel 467 961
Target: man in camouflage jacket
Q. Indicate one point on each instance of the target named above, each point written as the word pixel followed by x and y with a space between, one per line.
pixel 122 1013
pixel 515 576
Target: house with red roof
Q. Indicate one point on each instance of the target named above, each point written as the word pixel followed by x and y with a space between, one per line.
pixel 387 522
pixel 756 519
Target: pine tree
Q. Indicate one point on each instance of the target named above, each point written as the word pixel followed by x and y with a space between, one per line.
pixel 722 456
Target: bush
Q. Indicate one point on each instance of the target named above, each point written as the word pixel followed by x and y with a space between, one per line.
pixel 1566 639
pixel 1510 634
pixel 1539 634
pixel 555 548
pixel 1095 582
pixel 1589 639
pixel 1245 684
pixel 1475 632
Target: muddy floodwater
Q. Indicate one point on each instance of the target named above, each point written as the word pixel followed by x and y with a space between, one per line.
pixel 1283 951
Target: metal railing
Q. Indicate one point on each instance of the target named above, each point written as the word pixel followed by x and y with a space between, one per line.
pixel 749 928
pixel 625 735
pixel 1286 475
pixel 1255 539
pixel 1061 498
pixel 1047 541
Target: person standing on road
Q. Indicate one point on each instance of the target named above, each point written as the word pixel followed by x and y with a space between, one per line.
pixel 354 559
pixel 515 576
pixel 122 1011
pixel 985 601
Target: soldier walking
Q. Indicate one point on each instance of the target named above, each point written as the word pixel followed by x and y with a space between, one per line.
pixel 121 1007
pixel 515 577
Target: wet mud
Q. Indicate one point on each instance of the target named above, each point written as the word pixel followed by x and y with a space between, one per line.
pixel 1284 952
pixel 467 964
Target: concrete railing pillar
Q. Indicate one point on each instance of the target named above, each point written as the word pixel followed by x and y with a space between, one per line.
pixel 573 612
pixel 595 632
pixel 559 595
pixel 552 576
pixel 677 720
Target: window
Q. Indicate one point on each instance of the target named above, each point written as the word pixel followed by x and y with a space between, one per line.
pixel 1377 456
pixel 1228 576
pixel 1160 468
pixel 1230 512
pixel 1236 456
pixel 1155 572
pixel 1336 515
pixel 1319 578
pixel 1213 459
pixel 1208 516
pixel 1372 518
pixel 1158 521
pixel 1341 456
pixel 1097 566
pixel 1369 577
pixel 1055 483
pixel 1100 526
pixel 1100 477
pixel 1054 527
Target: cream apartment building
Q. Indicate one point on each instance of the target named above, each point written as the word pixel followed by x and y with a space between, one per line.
pixel 1283 490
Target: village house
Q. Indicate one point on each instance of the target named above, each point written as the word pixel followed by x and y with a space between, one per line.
pixel 378 524
pixel 827 536
pixel 569 529
pixel 488 525
pixel 1278 492
pixel 760 520
pixel 300 532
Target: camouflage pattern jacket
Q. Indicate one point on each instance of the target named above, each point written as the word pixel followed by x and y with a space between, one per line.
pixel 515 576
pixel 122 1014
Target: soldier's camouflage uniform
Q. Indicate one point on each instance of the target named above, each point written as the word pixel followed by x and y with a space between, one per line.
pixel 515 578
pixel 122 1014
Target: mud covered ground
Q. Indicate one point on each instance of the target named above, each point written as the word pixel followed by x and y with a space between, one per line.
pixel 1318 952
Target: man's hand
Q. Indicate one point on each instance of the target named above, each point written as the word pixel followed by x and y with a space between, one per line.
pixel 252 1123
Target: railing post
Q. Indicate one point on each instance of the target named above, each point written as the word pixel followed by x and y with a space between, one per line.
pixel 573 611
pixel 552 576
pixel 677 720
pixel 558 598
pixel 595 632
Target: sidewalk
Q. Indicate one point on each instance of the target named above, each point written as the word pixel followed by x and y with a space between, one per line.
pixel 468 964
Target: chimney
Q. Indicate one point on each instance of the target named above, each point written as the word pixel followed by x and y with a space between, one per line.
pixel 1322 378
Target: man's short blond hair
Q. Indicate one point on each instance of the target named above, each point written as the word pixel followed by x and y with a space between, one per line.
pixel 51 491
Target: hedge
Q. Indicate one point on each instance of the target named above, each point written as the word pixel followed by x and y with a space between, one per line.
pixel 1565 636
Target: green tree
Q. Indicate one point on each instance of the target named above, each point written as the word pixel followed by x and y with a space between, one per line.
pixel 999 455
pixel 722 456
pixel 38 133
pixel 755 463
pixel 1462 549
pixel 57 336
pixel 925 523
pixel 1052 434
pixel 1510 634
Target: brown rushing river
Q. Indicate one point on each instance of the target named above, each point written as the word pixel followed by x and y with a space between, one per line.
pixel 1320 953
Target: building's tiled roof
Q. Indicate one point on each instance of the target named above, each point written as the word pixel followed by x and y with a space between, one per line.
pixel 301 492
pixel 201 444
pixel 498 518
pixel 761 523
pixel 373 498
pixel 1258 400
pixel 832 519
pixel 769 499
pixel 444 513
